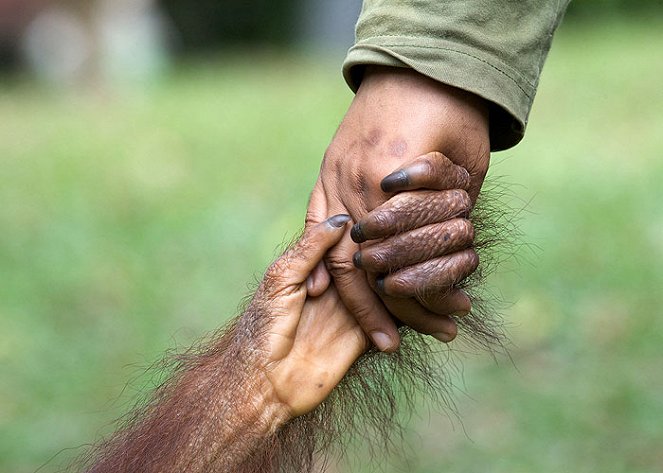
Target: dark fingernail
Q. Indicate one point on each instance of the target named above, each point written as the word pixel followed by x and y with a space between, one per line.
pixel 379 284
pixel 357 234
pixel 394 181
pixel 338 221
pixel 356 259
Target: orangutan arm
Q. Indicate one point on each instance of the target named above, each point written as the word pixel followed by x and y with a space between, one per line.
pixel 279 360
pixel 251 400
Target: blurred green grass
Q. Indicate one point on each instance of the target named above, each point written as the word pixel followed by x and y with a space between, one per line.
pixel 132 222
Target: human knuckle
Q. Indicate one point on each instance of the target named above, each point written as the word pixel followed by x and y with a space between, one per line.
pixel 331 153
pixel 435 156
pixel 310 219
pixel 429 168
pixel 364 314
pixel 339 266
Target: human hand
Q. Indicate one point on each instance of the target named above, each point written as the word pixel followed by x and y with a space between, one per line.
pixel 396 114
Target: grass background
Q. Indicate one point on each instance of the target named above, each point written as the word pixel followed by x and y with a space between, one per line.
pixel 132 222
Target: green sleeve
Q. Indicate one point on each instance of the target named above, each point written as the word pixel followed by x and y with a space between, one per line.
pixel 493 48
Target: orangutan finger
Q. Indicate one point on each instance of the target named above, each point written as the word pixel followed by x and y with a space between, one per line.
pixel 296 264
pixel 416 246
pixel 429 277
pixel 431 171
pixel 455 302
pixel 318 281
pixel 417 317
pixel 411 210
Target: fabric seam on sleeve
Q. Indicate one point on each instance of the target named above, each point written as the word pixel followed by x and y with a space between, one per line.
pixel 514 80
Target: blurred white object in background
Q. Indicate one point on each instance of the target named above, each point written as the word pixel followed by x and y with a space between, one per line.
pixel 56 45
pixel 72 42
pixel 133 38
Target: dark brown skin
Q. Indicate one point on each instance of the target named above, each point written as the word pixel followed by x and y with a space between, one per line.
pixel 418 245
pixel 396 115
pixel 261 397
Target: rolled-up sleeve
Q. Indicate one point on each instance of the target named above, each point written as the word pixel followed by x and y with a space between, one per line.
pixel 495 49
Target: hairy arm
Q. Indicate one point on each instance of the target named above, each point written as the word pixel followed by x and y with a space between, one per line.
pixel 287 379
pixel 228 402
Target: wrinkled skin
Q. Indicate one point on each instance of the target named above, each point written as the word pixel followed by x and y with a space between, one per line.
pixel 311 342
pixel 397 116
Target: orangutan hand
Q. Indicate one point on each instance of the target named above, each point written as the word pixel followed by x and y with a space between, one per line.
pixel 310 342
pixel 417 246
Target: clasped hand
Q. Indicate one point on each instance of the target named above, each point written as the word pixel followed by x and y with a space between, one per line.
pixel 420 244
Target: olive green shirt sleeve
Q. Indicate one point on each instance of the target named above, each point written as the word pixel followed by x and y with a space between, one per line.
pixel 493 48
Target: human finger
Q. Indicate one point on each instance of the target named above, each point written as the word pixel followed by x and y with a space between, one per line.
pixel 410 210
pixel 431 276
pixel 358 297
pixel 431 171
pixel 317 208
pixel 316 211
pixel 415 246
pixel 295 265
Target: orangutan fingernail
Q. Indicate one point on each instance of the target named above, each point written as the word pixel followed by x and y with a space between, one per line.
pixel 382 341
pixel 357 234
pixel 338 221
pixel 394 181
pixel 356 259
pixel 443 337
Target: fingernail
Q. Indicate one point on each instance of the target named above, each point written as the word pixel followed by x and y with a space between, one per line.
pixel 443 337
pixel 394 181
pixel 357 234
pixel 379 284
pixel 382 341
pixel 338 221
pixel 356 259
